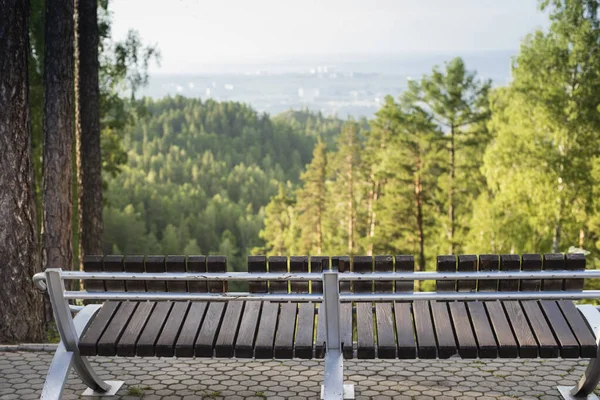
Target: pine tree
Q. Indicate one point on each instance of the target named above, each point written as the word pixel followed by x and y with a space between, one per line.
pixel 458 101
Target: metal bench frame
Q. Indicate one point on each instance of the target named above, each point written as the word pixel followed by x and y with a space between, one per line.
pixel 71 329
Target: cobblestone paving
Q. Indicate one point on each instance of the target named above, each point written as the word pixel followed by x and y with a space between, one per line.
pixel 22 374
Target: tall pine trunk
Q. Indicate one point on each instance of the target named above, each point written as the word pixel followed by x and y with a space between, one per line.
pixel 58 136
pixel 21 307
pixel 451 193
pixel 420 229
pixel 87 117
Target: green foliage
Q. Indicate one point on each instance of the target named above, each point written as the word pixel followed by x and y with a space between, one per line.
pixel 198 178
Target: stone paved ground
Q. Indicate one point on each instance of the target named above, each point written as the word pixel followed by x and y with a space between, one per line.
pixel 22 374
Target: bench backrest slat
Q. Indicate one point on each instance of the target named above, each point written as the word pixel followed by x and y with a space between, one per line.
pixel 298 264
pixel 176 264
pixel 317 264
pixel 134 264
pixel 509 262
pixel 531 262
pixel 467 263
pixel 363 264
pixel 446 264
pixel 575 262
pixel 114 263
pixel 384 263
pixel 404 264
pixel 278 264
pixel 196 264
pixel 155 264
pixel 216 264
pixel 257 264
pixel 488 263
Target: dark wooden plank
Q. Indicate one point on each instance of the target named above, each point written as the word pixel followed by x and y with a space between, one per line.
pixel 405 264
pixel 318 264
pixel 426 343
pixel 321 337
pixel 364 330
pixel 165 345
pixel 486 343
pixel 528 347
pixel 446 264
pixel 346 329
pixel 509 262
pixel 531 262
pixel 467 346
pixel 176 264
pixel 303 346
pixel 580 328
pixel 286 327
pixel 257 264
pixel 196 264
pixel 446 344
pixel 343 265
pixel 266 330
pixel 129 338
pixel 384 264
pixel 244 343
pixel 555 261
pixel 386 342
pixel 189 331
pixel 134 264
pixel 224 346
pixel 93 264
pixel 113 263
pixel 107 345
pixel 363 265
pixel 216 264
pixel 155 264
pixel 208 330
pixel 569 347
pixel 87 344
pixel 574 262
pixel 488 262
pixel 543 334
pixel 299 264
pixel 407 346
pixel 278 264
pixel 507 344
pixel 145 345
pixel 467 263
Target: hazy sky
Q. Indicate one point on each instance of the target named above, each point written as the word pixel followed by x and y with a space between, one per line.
pixel 192 35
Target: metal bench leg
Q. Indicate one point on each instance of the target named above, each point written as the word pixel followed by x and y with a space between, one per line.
pixel 67 353
pixel 588 382
pixel 333 383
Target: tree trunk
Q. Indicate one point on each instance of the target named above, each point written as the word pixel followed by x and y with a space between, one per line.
pixel 451 194
pixel 58 136
pixel 87 117
pixel 351 210
pixel 319 228
pixel 420 229
pixel 21 306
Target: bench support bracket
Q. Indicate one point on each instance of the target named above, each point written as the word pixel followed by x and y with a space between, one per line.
pixel 588 382
pixel 67 354
pixel 333 383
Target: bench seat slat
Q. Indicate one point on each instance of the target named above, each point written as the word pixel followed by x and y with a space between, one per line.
pixel 107 345
pixel 569 348
pixel 244 345
pixel 189 331
pixel 541 329
pixel 87 345
pixel 165 346
pixel 507 344
pixel 467 347
pixel 528 347
pixel 580 328
pixel 127 342
pixel 208 331
pixel 284 339
pixel 443 329
pixel 426 343
pixel 147 341
pixel 229 328
pixel 346 329
pixel 266 330
pixel 305 331
pixel 407 346
pixel 321 337
pixel 488 348
pixel 364 330
pixel 386 343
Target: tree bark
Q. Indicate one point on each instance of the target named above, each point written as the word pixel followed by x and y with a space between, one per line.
pixel 420 230
pixel 21 306
pixel 87 123
pixel 451 193
pixel 57 178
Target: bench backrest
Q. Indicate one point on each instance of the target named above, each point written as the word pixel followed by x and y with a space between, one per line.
pixel 155 264
pixel 510 262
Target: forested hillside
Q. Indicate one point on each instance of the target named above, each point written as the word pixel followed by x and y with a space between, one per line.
pixel 199 175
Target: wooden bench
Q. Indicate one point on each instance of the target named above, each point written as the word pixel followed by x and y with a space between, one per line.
pixel 283 314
